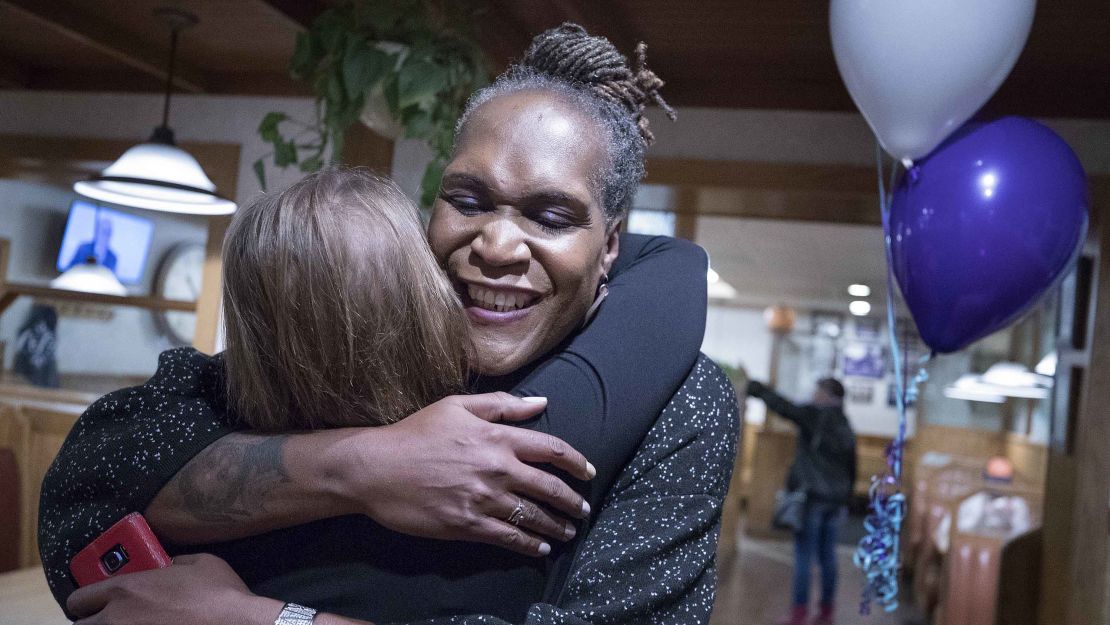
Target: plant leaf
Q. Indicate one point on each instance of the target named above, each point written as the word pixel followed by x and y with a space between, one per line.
pixel 306 55
pixel 429 185
pixel 332 29
pixel 364 67
pixel 418 123
pixel 260 172
pixel 285 153
pixel 268 129
pixel 419 82
pixel 311 164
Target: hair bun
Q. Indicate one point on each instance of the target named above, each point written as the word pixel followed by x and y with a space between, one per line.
pixel 569 53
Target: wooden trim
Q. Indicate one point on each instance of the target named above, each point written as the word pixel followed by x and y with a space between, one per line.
pixel 206 333
pixel 830 193
pixel 363 147
pixel 16 289
pixel 762 175
pixel 9 291
pixel 14 75
pixel 297 13
pixel 686 213
pixel 104 38
pixel 1092 467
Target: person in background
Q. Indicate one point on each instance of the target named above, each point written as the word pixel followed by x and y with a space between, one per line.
pixel 99 249
pixel 824 469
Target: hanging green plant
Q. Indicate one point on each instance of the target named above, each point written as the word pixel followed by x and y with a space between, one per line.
pixel 403 67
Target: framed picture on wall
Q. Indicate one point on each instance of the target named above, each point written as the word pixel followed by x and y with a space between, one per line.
pixel 868 328
pixel 827 324
pixel 860 393
pixel 864 360
pixel 892 396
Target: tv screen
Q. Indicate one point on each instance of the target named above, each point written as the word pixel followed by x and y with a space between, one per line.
pixel 116 240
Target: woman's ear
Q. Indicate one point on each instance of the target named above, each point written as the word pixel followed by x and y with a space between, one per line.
pixel 612 247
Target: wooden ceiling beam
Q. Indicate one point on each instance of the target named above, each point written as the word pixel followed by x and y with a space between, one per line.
pixel 14 75
pixel 761 176
pixel 106 39
pixel 839 208
pixel 298 13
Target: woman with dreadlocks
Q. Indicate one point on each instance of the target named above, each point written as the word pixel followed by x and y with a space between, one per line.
pixel 343 524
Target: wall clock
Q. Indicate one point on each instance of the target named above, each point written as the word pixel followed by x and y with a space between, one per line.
pixel 180 275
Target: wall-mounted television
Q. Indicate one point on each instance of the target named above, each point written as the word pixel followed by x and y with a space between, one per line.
pixel 116 240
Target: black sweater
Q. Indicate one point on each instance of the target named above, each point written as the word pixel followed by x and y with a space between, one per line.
pixel 131 442
pixel 825 456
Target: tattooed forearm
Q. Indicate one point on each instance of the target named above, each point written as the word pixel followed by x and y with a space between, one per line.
pixel 232 478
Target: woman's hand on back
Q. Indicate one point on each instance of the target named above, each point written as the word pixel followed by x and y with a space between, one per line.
pixel 451 472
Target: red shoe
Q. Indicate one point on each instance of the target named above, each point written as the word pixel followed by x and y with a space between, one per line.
pixel 797 616
pixel 825 616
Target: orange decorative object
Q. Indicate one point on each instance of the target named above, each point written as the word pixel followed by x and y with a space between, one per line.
pixel 779 319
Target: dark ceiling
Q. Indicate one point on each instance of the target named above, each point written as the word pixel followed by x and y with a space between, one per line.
pixel 717 53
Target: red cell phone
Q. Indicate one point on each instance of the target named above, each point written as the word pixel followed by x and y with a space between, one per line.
pixel 129 546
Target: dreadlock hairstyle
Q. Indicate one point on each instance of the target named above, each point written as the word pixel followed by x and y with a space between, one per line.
pixel 590 73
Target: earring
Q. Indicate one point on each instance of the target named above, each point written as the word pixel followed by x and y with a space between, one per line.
pixel 602 293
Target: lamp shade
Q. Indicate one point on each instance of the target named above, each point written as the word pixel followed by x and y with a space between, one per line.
pixel 89 278
pixel 157 176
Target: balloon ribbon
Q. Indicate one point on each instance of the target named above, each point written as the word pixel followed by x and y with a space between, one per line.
pixel 878 553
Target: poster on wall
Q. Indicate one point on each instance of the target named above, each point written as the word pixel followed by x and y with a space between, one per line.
pixel 861 393
pixel 868 328
pixel 864 360
pixel 892 396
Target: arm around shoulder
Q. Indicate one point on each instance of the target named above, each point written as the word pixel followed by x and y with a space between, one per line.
pixel 650 555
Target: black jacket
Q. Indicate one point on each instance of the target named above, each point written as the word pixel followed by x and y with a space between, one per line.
pixel 825 456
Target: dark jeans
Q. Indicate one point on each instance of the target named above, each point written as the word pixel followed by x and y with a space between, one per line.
pixel 818 535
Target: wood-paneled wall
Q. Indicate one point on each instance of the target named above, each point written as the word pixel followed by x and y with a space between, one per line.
pixel 35 431
pixel 1030 459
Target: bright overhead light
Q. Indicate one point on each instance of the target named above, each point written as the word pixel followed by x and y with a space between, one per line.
pixel 1011 374
pixel 1047 365
pixel 859 308
pixel 859 290
pixel 89 278
pixel 721 290
pixel 973 394
pixel 1001 380
pixel 158 175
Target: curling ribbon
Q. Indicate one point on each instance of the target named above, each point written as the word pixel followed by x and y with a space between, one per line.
pixel 878 553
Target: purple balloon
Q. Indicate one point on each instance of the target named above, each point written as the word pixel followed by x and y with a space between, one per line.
pixel 984 226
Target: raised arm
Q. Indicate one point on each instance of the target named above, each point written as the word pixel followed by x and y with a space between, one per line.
pixel 804 416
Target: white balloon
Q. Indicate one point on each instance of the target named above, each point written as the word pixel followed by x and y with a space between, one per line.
pixel 918 69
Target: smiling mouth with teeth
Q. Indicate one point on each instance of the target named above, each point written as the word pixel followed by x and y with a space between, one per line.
pixel 499 301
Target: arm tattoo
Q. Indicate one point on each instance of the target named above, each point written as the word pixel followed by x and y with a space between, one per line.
pixel 232 477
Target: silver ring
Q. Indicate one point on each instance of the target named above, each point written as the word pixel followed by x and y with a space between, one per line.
pixel 517 514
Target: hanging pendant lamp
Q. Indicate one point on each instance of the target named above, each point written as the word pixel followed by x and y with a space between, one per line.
pixel 158 175
pixel 89 277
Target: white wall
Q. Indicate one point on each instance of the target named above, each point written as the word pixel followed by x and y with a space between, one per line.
pixel 739 338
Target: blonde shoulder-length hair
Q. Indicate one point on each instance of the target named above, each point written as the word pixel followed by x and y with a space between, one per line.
pixel 335 310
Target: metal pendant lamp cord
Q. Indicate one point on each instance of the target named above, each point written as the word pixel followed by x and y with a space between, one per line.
pixel 169 76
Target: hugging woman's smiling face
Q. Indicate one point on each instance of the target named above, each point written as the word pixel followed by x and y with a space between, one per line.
pixel 520 228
